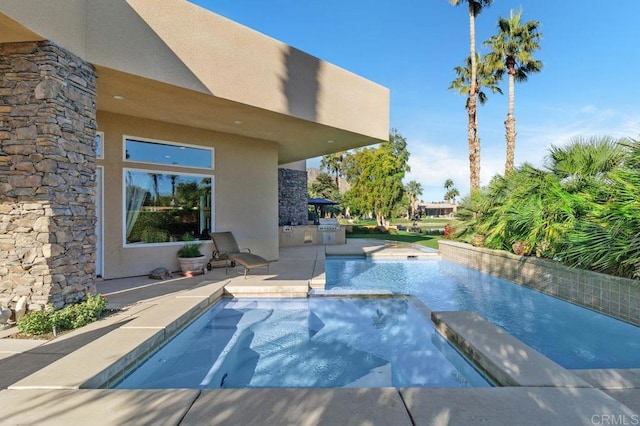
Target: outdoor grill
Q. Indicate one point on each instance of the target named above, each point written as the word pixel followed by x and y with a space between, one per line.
pixel 326 225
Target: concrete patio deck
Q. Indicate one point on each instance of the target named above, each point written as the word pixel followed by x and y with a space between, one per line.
pixel 52 382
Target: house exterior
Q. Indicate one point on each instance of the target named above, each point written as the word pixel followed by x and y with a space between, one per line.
pixel 437 209
pixel 127 126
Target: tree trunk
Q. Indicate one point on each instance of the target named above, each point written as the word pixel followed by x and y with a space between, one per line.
pixel 510 123
pixel 474 147
pixel 474 142
pixel 380 219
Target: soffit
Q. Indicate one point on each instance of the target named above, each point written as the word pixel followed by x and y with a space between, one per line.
pixel 13 32
pixel 297 139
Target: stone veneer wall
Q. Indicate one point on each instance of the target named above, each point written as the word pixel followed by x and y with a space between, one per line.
pixel 292 197
pixel 47 175
pixel 613 296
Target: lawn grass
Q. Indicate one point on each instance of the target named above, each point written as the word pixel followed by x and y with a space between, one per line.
pixel 435 222
pixel 404 237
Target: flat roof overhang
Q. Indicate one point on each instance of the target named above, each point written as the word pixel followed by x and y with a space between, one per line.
pixel 298 139
pixel 218 75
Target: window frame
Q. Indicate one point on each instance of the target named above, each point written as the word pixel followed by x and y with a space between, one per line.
pixel 125 244
pixel 125 138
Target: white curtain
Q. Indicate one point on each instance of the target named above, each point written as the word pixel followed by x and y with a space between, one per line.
pixel 136 192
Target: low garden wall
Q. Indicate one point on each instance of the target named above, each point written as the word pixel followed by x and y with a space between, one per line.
pixel 613 296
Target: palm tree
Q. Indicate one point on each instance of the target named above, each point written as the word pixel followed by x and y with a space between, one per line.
pixel 451 192
pixel 323 187
pixel 414 189
pixel 514 46
pixel 334 163
pixel 487 76
pixel 585 161
pixel 604 173
pixel 475 7
pixel 448 184
pixel 451 195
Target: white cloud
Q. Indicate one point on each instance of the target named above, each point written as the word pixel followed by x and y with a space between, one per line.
pixel 431 165
pixel 561 125
pixel 433 162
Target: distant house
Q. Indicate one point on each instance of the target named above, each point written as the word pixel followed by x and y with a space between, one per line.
pixel 128 125
pixel 437 209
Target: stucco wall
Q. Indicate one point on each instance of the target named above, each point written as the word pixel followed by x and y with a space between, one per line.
pixel 613 296
pixel 245 191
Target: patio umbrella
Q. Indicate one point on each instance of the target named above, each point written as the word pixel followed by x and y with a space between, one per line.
pixel 318 203
pixel 321 202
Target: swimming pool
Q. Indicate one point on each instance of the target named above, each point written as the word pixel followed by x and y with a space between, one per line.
pixel 570 335
pixel 315 342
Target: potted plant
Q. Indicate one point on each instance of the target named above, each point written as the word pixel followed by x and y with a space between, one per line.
pixel 190 258
pixel 521 248
pixel 478 240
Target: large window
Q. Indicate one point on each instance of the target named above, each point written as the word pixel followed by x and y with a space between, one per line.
pixel 164 206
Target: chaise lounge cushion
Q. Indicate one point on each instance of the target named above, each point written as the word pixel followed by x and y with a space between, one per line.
pixel 248 260
pixel 226 247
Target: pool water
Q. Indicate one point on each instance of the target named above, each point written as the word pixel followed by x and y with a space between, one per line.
pixel 570 335
pixel 316 342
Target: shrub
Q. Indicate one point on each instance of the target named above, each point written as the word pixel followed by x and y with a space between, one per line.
pixel 449 231
pixel 37 322
pixel 68 318
pixel 359 229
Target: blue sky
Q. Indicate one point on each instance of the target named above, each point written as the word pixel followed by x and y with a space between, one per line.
pixel 589 85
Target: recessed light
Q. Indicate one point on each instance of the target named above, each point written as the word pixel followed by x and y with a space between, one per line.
pixel 119 97
pixel 237 122
pixel 329 141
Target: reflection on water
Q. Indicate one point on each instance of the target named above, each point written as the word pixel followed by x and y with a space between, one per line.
pixel 572 336
pixel 321 342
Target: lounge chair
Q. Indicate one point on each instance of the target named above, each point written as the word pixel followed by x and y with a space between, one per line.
pixel 225 247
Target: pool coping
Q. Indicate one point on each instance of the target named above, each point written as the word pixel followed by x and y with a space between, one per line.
pixel 505 359
pixel 508 405
pixel 140 333
pixel 63 384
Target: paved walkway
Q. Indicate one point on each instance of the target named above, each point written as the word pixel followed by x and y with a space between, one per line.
pixel 54 382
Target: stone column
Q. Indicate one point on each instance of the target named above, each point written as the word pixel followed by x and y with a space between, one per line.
pixel 292 197
pixel 47 175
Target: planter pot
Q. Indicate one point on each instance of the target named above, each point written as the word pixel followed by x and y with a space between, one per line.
pixel 192 264
pixel 521 248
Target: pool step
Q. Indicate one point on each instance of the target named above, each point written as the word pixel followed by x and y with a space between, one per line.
pixel 250 288
pixel 507 360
